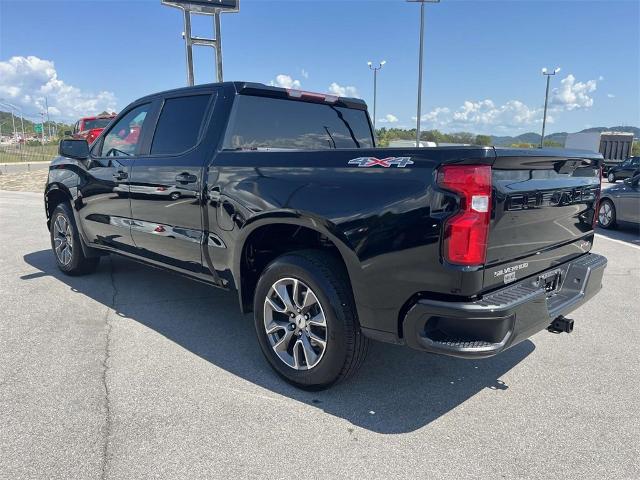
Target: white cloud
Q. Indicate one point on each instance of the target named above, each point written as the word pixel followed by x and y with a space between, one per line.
pixel 26 81
pixel 484 113
pixel 611 95
pixel 347 91
pixel 304 73
pixel 388 118
pixel 572 95
pixel 285 81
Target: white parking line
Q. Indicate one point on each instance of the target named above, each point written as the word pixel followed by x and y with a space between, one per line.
pixel 618 241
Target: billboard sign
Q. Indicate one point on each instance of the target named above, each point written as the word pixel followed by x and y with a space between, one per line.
pixel 205 6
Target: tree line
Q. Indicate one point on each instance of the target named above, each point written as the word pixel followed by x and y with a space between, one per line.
pixel 386 135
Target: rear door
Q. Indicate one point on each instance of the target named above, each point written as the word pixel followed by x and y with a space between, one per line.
pixel 543 211
pixel 627 199
pixel 166 183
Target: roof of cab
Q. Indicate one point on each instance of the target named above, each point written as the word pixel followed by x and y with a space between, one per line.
pixel 253 88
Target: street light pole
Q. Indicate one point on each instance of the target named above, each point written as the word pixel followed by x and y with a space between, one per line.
pixel 547 74
pixel 420 55
pixel 375 87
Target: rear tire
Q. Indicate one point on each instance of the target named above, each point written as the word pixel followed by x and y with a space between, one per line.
pixel 311 336
pixel 66 243
pixel 607 214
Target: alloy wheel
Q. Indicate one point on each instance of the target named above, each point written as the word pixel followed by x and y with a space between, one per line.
pixel 295 324
pixel 605 214
pixel 63 240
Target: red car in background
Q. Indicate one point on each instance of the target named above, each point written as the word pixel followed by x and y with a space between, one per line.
pixel 90 127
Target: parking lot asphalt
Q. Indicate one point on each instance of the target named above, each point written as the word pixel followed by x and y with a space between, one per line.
pixel 133 372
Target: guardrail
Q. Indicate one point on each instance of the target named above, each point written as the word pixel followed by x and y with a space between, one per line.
pixel 27 153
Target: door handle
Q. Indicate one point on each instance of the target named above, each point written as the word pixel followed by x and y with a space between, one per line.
pixel 186 178
pixel 120 175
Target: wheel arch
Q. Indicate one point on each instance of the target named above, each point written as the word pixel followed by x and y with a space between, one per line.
pixel 282 233
pixel 54 195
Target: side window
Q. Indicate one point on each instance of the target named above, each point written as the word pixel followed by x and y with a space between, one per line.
pixel 123 138
pixel 262 122
pixel 179 124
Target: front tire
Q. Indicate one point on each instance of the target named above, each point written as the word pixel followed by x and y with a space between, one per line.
pixel 611 178
pixel 607 214
pixel 306 320
pixel 66 243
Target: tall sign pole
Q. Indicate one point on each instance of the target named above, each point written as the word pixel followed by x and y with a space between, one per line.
pixel 203 7
pixel 420 55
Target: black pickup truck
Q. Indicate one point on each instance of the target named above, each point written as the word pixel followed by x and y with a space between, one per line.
pixel 282 196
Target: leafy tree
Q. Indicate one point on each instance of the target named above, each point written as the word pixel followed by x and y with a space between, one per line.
pixel 635 150
pixel 483 140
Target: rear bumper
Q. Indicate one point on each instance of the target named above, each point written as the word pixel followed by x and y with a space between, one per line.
pixel 499 320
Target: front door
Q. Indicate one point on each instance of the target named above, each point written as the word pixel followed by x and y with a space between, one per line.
pixel 628 202
pixel 104 205
pixel 166 185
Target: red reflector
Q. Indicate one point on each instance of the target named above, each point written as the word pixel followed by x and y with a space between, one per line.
pixel 466 233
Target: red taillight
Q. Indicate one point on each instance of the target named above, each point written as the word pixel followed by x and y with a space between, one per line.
pixel 465 238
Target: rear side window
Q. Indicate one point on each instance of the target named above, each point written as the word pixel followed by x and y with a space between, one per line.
pixel 262 122
pixel 179 124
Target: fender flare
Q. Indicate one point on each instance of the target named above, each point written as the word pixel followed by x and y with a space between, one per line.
pixel 306 220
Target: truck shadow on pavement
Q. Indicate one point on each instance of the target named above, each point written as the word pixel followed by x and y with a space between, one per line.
pixel 397 390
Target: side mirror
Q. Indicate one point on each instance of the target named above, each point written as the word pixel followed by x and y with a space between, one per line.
pixel 67 133
pixel 74 148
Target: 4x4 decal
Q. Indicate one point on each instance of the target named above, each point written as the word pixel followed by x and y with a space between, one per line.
pixel 399 162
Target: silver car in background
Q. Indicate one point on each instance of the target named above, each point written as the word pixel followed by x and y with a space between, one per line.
pixel 620 204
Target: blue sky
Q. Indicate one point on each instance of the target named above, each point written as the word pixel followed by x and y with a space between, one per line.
pixel 482 58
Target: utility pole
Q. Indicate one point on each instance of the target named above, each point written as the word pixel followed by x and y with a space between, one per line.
pixel 375 88
pixel 13 121
pixel 46 103
pixel 421 2
pixel 546 100
pixel 42 128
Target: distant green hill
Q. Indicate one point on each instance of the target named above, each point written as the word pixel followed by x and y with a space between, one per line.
pixel 534 138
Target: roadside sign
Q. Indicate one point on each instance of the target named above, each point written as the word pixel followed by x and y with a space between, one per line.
pixel 205 6
pixel 37 127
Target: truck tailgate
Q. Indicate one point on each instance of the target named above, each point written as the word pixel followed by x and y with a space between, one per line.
pixel 543 210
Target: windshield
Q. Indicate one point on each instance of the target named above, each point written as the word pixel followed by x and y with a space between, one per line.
pixel 271 123
pixel 96 123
